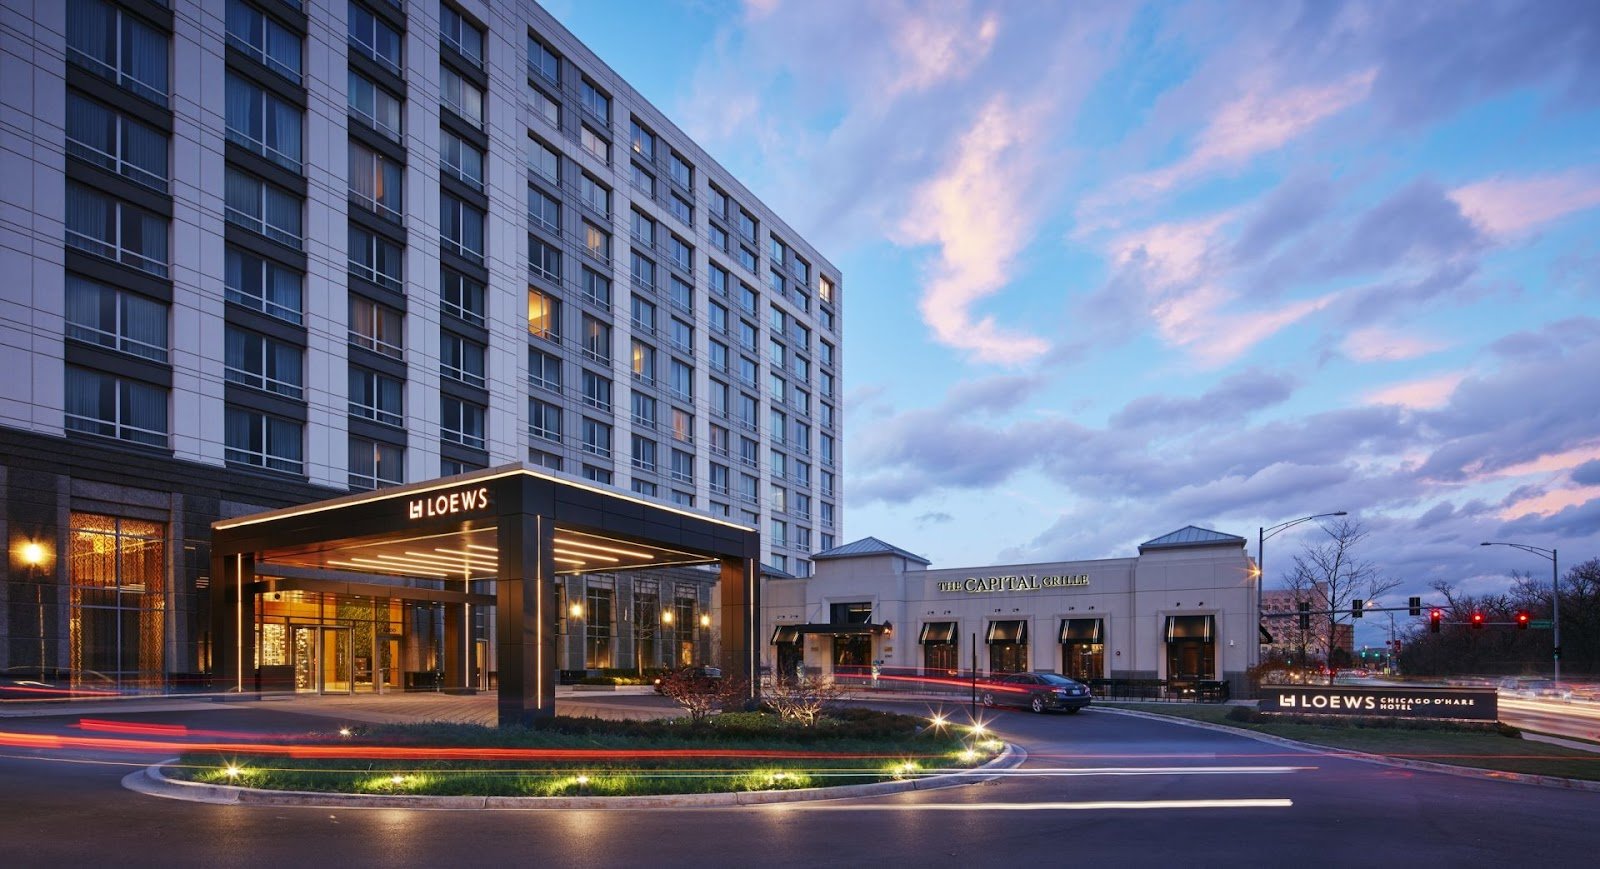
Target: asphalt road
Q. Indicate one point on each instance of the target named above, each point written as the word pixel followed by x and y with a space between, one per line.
pixel 1098 788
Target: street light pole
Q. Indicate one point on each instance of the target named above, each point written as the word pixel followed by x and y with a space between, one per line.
pixel 1265 534
pixel 33 556
pixel 1555 598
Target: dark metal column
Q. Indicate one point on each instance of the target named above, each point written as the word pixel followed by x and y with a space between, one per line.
pixel 525 613
pixel 739 598
pixel 233 620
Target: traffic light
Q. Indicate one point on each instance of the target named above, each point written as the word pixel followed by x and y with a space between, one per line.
pixel 1477 621
pixel 1435 619
pixel 1356 605
pixel 1397 647
pixel 1522 621
pixel 1305 616
pixel 1416 606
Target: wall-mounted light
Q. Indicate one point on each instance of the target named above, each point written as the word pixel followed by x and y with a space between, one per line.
pixel 33 554
pixel 705 620
pixel 666 617
pixel 576 610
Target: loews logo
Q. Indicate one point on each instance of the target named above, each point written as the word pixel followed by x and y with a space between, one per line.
pixel 448 505
pixel 1030 582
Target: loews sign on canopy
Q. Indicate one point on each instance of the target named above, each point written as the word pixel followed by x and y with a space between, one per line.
pixel 1468 703
pixel 1028 582
pixel 434 506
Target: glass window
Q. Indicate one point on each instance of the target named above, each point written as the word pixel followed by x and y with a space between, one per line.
pixel 749 335
pixel 118 47
pixel 825 447
pixel 544 210
pixel 643 229
pixel 747 226
pixel 749 299
pixel 375 106
pixel 115 230
pixel 460 228
pixel 596 242
pixel 719 355
pixel 262 123
pixel 460 159
pixel 460 296
pixel 596 339
pixel 544 370
pixel 643 180
pixel 371 37
pixel 263 38
pixel 112 141
pixel 597 475
pixel 375 181
pixel 597 288
pixel 595 195
pixel 595 101
pixel 719 237
pixel 116 319
pixel 644 453
pixel 596 390
pixel 778 250
pixel 719 203
pixel 681 380
pixel 718 317
pixel 262 285
pixel 682 425
pixel 592 142
pixel 264 208
pixel 260 362
pixel 544 420
pixel 544 315
pixel 461 359
pixel 681 254
pixel 643 358
pixel 680 208
pixel 682 335
pixel 461 96
pixel 644 141
pixel 546 107
pixel 376 326
pixel 544 62
pixel 719 280
pixel 747 258
pixel 376 259
pixel 104 404
pixel 680 295
pixel 374 465
pixel 544 259
pixel 825 289
pixel 644 314
pixel 644 409
pixel 263 441
pixel 460 422
pixel 681 171
pixel 460 34
pixel 596 437
pixel 643 271
pixel 544 160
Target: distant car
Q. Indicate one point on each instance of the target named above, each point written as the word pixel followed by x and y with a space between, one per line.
pixel 698 678
pixel 1041 692
pixel 1544 688
pixel 28 683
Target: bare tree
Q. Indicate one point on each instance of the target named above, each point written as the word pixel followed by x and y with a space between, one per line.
pixel 804 699
pixel 1337 574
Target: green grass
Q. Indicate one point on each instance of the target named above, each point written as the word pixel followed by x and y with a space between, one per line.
pixel 724 754
pixel 1475 747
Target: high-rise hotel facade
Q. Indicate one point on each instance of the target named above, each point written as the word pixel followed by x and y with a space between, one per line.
pixel 259 253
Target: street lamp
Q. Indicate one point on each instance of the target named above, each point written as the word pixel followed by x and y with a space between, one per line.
pixel 1555 598
pixel 1265 534
pixel 33 555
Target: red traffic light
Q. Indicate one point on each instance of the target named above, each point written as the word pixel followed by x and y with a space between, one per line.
pixel 1522 621
pixel 1435 618
pixel 1477 620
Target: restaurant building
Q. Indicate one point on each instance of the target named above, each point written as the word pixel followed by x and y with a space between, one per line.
pixel 1183 608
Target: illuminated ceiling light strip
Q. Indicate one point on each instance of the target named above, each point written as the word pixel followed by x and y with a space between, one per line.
pixel 594 555
pixel 569 560
pixel 464 554
pixel 451 555
pixel 432 569
pixel 482 548
pixel 598 548
pixel 452 560
pixel 367 565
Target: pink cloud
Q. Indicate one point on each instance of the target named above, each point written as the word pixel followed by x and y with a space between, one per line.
pixel 1427 392
pixel 1511 206
pixel 1551 502
pixel 1378 344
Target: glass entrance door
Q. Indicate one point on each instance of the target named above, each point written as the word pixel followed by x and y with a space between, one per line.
pixel 322 660
pixel 390 674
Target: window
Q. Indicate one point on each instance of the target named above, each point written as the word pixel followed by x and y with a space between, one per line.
pixel 749 299
pixel 780 533
pixel 643 229
pixel 719 355
pixel 802 539
pixel 596 242
pixel 374 106
pixel 719 203
pixel 801 335
pixel 544 370
pixel 827 542
pixel 544 315
pixel 719 398
pixel 719 479
pixel 260 122
pixel 644 141
pixel 778 250
pixel 826 514
pixel 544 210
pixel 747 226
pixel 596 339
pixel 104 404
pixel 827 483
pixel 749 411
pixel 825 352
pixel 544 259
pixel 825 384
pixel 749 488
pixel 681 335
pixel 681 254
pixel 115 230
pixel 460 296
pixel 460 159
pixel 719 237
pixel 682 468
pixel 452 467
pixel 263 363
pixel 461 96
pixel 778 463
pixel 825 447
pixel 263 441
pixel 111 141
pixel 801 271
pixel 801 368
pixel 644 453
pixel 461 359
pixel 597 288
pixel 682 425
pixel 376 259
pixel 118 47
pixel 376 326
pixel 262 285
pixel 778 319
pixel 801 401
pixel 681 380
pixel 596 390
pixel 263 38
pixel 460 422
pixel 775 282
pixel 825 290
pixel 778 425
pixel 547 108
pixel 779 499
pixel 460 228
pixel 544 160
pixel 749 335
pixel 778 354
pixel 116 319
pixel 595 102
pixel 802 477
pixel 682 173
pixel 825 414
pixel 643 271
pixel 644 409
pixel 682 499
pixel 596 438
pixel 779 388
pixel 375 181
pixel 542 459
pixel 595 195
pixel 544 420
pixel 597 475
pixel 263 208
pixel 680 208
pixel 460 35
pixel 374 465
pixel 376 397
pixel 644 361
pixel 543 62
pixel 802 507
pixel 597 147
pixel 644 181
pixel 645 488
pixel 372 38
pixel 644 315
pixel 718 317
pixel 747 258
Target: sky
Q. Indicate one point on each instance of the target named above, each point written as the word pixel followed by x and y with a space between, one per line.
pixel 1110 269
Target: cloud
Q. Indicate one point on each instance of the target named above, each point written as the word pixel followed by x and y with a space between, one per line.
pixel 934 518
pixel 1223 404
pixel 1509 207
pixel 1419 223
pixel 1381 344
pixel 1292 207
pixel 1587 474
pixel 1427 392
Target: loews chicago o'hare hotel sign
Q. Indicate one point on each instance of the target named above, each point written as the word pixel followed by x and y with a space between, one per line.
pixel 434 506
pixel 1018 582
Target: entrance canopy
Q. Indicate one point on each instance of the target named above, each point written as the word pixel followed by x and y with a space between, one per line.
pixel 513 529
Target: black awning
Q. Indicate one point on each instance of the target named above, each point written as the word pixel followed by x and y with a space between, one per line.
pixel 786 634
pixel 839 628
pixel 1082 631
pixel 1266 635
pixel 938 634
pixel 1008 631
pixel 1191 628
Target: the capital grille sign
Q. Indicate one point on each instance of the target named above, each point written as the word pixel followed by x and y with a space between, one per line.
pixel 448 504
pixel 1025 582
pixel 1466 703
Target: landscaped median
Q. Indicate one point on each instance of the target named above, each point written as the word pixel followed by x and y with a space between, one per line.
pixel 728 754
pixel 1474 745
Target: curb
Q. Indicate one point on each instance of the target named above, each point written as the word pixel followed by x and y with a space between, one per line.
pixel 152 782
pixel 1548 781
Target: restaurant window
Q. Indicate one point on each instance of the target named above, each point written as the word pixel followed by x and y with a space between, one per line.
pixel 117 579
pixel 1008 645
pixel 1083 651
pixel 940 649
pixel 1191 647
